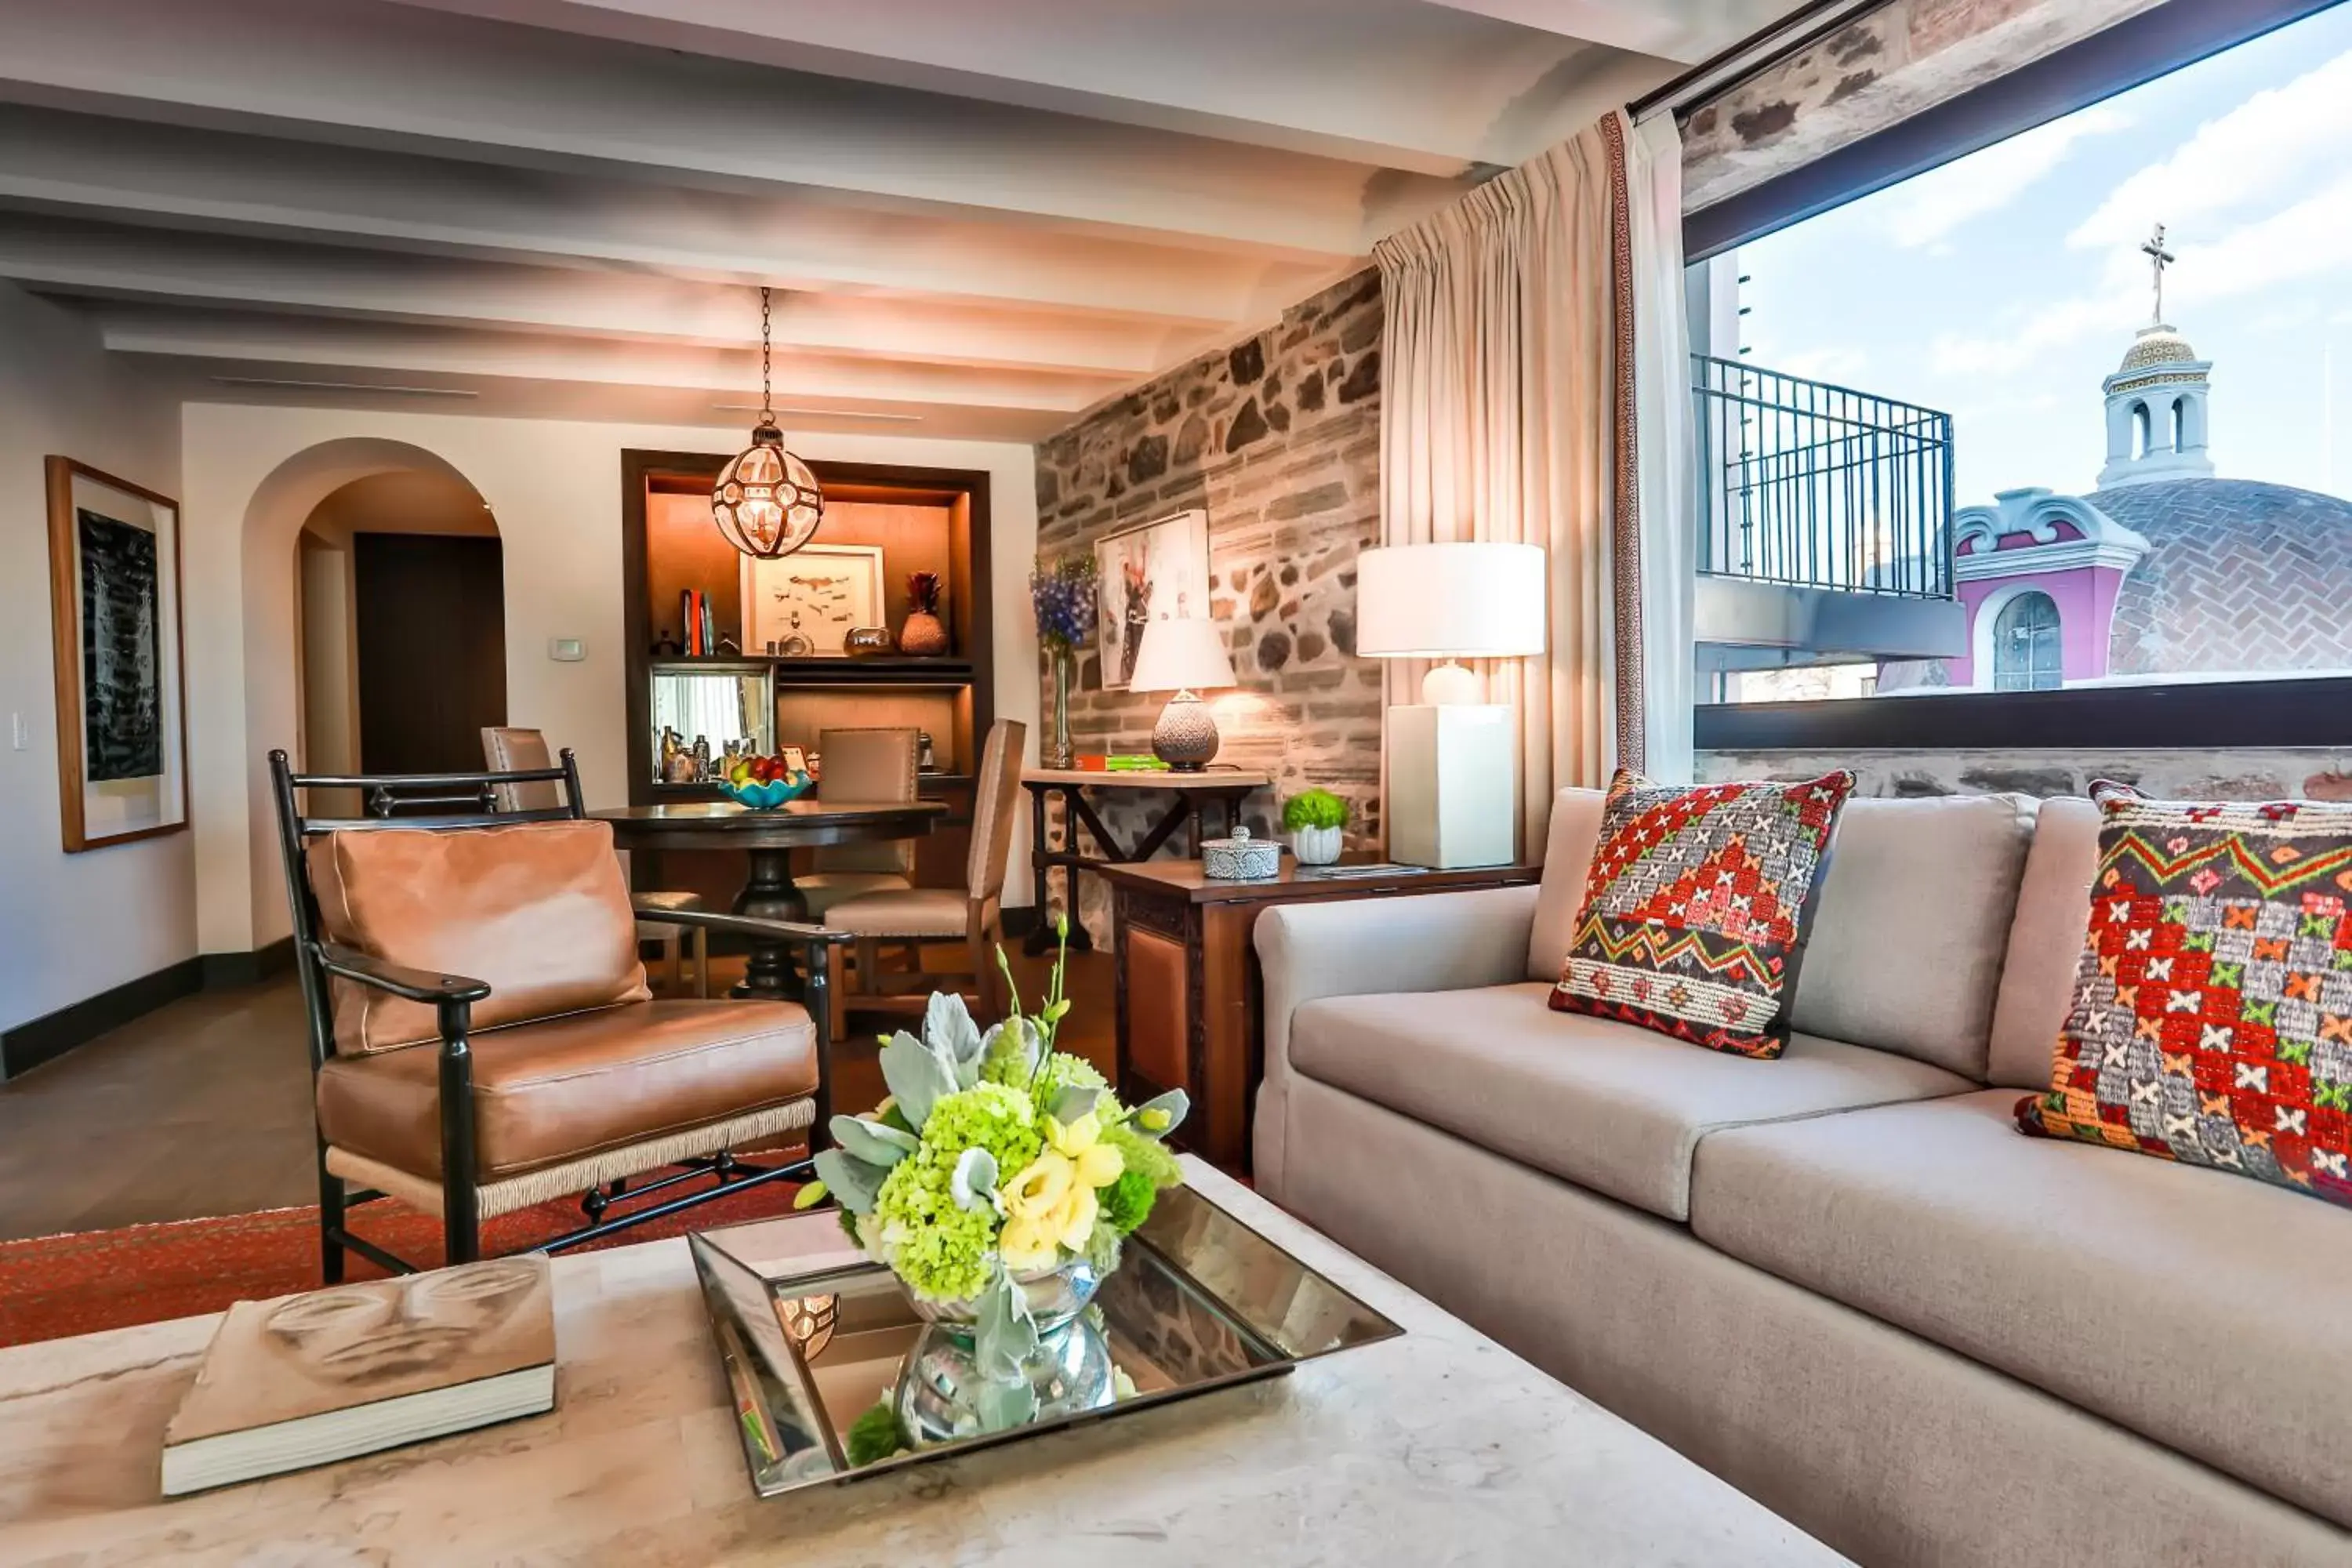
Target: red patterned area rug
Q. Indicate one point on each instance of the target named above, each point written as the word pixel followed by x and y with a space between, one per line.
pixel 54 1286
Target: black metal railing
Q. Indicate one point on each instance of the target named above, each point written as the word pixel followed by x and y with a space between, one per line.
pixel 1819 486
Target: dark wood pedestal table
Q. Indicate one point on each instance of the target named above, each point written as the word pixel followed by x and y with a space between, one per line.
pixel 1186 794
pixel 769 837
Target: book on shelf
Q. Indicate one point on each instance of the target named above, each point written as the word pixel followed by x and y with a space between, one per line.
pixel 355 1369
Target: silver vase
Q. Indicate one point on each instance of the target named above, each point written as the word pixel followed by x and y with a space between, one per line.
pixel 941 1385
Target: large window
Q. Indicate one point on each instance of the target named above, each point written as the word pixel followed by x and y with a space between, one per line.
pixel 2092 387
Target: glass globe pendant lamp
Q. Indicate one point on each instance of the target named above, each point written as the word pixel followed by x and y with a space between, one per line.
pixel 765 500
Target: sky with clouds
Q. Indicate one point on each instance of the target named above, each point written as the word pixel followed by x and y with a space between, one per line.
pixel 2003 287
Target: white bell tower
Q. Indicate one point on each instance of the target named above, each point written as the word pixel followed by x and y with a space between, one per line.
pixel 2156 400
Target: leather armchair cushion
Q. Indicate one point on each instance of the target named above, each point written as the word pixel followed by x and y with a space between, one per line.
pixel 569 1088
pixel 538 911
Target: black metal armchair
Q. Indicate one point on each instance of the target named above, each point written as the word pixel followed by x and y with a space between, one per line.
pixel 555 1075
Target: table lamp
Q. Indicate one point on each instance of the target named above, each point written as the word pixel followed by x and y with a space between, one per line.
pixel 1185 657
pixel 1453 781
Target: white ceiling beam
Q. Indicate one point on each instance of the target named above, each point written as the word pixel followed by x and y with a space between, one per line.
pixel 1402 83
pixel 727 376
pixel 132 171
pixel 1683 31
pixel 218 270
pixel 370 73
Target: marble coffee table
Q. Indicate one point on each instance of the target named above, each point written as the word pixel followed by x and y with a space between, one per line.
pixel 1437 1448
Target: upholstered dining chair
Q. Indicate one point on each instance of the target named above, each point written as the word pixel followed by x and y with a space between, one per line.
pixel 506 749
pixel 871 765
pixel 481 1036
pixel 973 915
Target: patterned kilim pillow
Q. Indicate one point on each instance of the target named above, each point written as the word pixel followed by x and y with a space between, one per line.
pixel 1695 907
pixel 2213 1016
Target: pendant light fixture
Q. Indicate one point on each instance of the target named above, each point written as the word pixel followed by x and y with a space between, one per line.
pixel 766 501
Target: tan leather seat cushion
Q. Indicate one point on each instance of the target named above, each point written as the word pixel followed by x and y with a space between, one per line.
pixel 910 911
pixel 1905 951
pixel 537 911
pixel 824 890
pixel 1612 1107
pixel 572 1087
pixel 2197 1308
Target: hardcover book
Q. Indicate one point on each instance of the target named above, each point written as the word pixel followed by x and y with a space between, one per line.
pixel 310 1379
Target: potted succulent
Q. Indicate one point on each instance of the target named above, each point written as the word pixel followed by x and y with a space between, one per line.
pixel 1315 818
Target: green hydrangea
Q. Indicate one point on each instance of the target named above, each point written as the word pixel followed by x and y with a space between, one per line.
pixel 938 1247
pixel 1127 1203
pixel 1063 1071
pixel 875 1436
pixel 1147 1156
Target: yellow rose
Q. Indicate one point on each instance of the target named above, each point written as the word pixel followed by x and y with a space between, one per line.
pixel 1099 1163
pixel 1046 1208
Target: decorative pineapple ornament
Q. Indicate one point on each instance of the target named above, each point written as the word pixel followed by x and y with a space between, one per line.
pixel 924 635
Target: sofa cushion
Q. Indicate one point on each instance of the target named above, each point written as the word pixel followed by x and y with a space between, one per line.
pixel 2212 1012
pixel 2198 1311
pixel 563 1090
pixel 2045 942
pixel 537 910
pixel 1567 856
pixel 1697 908
pixel 1906 950
pixel 1608 1105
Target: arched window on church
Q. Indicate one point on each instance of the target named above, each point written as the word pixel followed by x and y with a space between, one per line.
pixel 2025 654
pixel 2143 432
pixel 2179 422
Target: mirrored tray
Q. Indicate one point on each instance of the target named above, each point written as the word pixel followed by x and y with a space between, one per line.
pixel 811 1335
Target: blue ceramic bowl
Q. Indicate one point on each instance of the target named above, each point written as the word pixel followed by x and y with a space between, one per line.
pixel 769 795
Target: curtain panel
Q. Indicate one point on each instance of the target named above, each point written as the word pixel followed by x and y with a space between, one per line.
pixel 1516 407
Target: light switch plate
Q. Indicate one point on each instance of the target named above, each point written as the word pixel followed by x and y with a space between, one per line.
pixel 18 739
pixel 566 650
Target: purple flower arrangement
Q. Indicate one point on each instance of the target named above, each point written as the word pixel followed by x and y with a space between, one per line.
pixel 1063 598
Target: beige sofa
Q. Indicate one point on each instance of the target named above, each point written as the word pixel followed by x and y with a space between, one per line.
pixel 1842 1279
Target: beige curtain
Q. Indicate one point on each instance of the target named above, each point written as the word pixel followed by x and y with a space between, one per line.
pixel 1506 398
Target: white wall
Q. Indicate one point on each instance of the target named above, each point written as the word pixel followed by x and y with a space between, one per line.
pixel 253 475
pixel 71 925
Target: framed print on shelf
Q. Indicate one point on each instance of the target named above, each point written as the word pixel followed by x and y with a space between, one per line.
pixel 1156 571
pixel 809 602
pixel 114 609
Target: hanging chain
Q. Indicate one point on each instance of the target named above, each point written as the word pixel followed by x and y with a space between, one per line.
pixel 767 400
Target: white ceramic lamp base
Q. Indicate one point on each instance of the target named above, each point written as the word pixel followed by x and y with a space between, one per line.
pixel 1452 798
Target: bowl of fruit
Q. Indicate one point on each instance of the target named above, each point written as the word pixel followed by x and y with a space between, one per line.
pixel 765 783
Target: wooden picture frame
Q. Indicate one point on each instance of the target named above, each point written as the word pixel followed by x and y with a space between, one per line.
pixel 120 657
pixel 815 596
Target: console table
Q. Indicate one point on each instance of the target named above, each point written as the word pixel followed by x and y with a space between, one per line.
pixel 1188 795
pixel 1191 1007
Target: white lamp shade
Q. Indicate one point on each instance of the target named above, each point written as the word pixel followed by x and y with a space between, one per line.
pixel 1179 656
pixel 1449 601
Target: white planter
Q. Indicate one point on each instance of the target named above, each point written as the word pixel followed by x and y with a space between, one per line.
pixel 1316 846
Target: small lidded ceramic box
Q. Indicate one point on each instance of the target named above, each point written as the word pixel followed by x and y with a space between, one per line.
pixel 1240 859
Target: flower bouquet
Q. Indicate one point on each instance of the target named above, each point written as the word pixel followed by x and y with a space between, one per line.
pixel 1064 599
pixel 998 1182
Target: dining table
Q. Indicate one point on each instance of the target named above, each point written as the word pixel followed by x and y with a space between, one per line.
pixel 768 837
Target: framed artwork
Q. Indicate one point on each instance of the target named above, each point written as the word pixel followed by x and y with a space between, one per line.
pixel 808 602
pixel 1154 571
pixel 114 611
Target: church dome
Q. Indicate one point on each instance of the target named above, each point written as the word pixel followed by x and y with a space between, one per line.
pixel 2239 574
pixel 2155 345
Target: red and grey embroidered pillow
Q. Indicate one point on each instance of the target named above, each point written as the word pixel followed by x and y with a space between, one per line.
pixel 2212 1016
pixel 1695 909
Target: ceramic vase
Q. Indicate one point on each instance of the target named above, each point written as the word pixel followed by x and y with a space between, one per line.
pixel 1317 846
pixel 924 635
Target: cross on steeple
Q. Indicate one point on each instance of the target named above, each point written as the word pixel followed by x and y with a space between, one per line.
pixel 2159 257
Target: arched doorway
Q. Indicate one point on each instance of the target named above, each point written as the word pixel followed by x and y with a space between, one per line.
pixel 2027 653
pixel 403 626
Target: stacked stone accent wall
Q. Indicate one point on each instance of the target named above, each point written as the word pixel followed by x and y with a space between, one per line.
pixel 1277 438
pixel 2300 772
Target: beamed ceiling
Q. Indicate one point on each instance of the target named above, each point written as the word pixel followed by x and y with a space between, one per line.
pixel 981 215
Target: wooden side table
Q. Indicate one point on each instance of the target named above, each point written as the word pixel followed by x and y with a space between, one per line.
pixel 1190 1001
pixel 1186 794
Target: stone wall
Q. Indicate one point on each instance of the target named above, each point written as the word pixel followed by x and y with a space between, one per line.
pixel 2288 772
pixel 1872 73
pixel 1278 439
